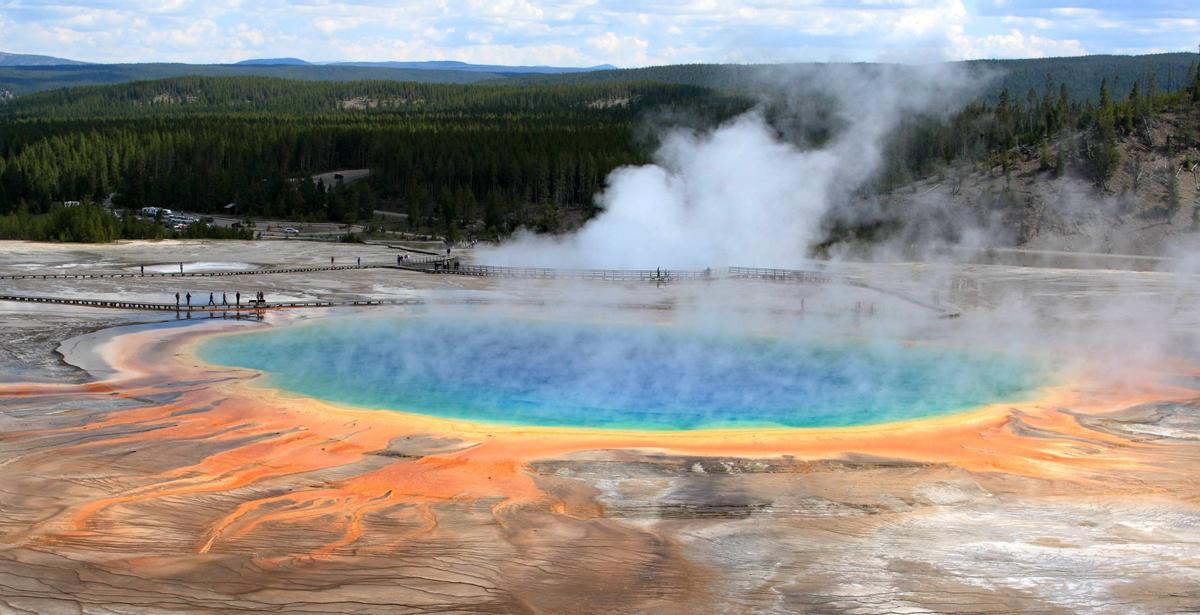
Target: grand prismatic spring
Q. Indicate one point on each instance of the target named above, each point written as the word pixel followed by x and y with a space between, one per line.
pixel 492 369
pixel 590 446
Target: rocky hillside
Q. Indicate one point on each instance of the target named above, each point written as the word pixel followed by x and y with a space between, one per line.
pixel 1050 197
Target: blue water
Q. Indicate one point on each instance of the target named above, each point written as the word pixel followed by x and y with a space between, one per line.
pixel 618 376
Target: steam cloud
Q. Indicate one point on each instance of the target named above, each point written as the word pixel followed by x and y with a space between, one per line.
pixel 741 194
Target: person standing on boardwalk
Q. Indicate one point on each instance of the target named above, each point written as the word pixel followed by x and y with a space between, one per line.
pixel 189 299
pixel 360 261
pixel 238 298
pixel 180 267
pixel 176 299
pixel 210 299
pixel 330 261
pixel 224 300
pixel 143 270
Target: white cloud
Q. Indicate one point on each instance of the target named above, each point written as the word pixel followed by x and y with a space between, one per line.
pixel 1036 23
pixel 251 38
pixel 628 50
pixel 584 31
pixel 329 24
pixel 1015 44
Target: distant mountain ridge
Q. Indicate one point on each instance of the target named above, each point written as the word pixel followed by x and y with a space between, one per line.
pixel 22 80
pixel 1080 75
pixel 481 68
pixel 25 59
pixel 432 65
pixel 273 62
pixel 29 78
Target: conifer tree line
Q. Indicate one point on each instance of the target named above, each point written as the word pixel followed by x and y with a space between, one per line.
pixel 451 157
pixel 477 156
pixel 1066 135
pixel 91 223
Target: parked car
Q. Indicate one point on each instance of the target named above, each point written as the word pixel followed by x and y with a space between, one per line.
pixel 290 231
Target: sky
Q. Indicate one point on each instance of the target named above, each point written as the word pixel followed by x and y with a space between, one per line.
pixel 589 32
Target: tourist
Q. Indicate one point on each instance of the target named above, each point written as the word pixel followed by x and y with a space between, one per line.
pixel 360 261
pixel 238 298
pixel 224 300
pixel 399 259
pixel 143 270
pixel 211 301
pixel 180 267
pixel 176 299
pixel 330 261
pixel 189 299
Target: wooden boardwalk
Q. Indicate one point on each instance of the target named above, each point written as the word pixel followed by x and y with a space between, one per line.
pixel 245 307
pixel 449 265
pixel 543 273
pixel 189 274
pixel 806 276
pixel 800 276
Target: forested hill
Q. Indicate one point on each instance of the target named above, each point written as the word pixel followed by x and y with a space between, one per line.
pixel 26 59
pixel 192 96
pixel 483 158
pixel 1081 75
pixel 487 159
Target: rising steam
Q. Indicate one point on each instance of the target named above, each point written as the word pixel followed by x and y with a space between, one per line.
pixel 741 193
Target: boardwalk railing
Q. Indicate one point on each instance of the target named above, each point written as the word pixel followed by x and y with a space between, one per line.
pixel 426 259
pixel 803 276
pixel 188 274
pixel 171 307
pixel 543 273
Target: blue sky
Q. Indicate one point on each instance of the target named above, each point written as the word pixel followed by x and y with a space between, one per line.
pixel 588 32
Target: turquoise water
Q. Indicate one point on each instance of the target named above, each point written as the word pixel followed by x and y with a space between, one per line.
pixel 617 376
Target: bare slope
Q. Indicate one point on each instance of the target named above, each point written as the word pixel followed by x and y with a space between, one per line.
pixel 1151 200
